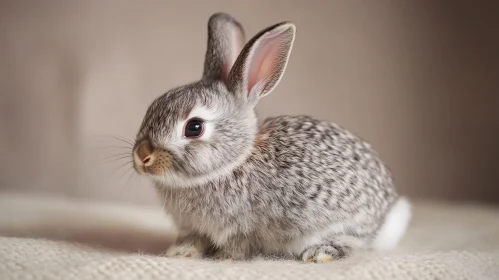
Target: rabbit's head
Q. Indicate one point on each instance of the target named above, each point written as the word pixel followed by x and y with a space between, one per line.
pixel 199 131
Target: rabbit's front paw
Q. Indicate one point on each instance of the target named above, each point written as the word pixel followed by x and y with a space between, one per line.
pixel 184 250
pixel 324 253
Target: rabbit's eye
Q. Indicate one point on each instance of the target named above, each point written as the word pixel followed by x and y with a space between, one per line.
pixel 194 128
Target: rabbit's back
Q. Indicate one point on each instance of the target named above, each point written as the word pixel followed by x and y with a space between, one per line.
pixel 324 175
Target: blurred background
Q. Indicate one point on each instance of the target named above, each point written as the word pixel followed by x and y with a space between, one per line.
pixel 417 79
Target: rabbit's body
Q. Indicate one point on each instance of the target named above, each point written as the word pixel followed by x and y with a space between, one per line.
pixel 295 185
pixel 276 203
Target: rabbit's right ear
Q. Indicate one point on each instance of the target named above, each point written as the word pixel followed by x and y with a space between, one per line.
pixel 262 62
pixel 225 42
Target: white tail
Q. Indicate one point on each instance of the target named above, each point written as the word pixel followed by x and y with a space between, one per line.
pixel 394 226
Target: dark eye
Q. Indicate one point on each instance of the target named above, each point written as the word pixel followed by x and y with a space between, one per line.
pixel 194 128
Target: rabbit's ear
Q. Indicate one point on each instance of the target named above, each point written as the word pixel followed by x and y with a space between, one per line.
pixel 225 41
pixel 262 61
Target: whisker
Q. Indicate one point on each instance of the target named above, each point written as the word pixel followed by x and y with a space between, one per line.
pixel 121 139
pixel 135 180
pixel 116 158
pixel 129 141
pixel 120 154
pixel 118 168
pixel 130 173
pixel 115 147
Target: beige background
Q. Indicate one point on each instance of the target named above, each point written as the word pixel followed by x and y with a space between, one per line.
pixel 418 79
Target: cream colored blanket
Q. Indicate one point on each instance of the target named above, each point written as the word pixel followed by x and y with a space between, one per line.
pixel 55 238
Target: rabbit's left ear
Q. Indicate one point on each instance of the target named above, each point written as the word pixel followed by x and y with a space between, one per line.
pixel 262 62
pixel 225 42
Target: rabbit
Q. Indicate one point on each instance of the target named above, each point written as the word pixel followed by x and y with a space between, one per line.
pixel 293 186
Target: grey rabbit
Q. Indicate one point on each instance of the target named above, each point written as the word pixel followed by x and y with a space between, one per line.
pixel 294 185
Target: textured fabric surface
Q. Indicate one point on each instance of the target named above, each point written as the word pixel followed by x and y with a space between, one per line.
pixel 60 239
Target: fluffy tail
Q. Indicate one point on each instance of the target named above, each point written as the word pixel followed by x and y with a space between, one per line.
pixel 394 226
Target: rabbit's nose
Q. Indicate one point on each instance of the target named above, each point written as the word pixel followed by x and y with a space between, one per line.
pixel 144 154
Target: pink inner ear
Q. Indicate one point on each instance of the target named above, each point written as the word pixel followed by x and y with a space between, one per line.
pixel 236 44
pixel 265 62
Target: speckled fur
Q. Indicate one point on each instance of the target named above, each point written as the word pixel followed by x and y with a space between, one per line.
pixel 294 185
